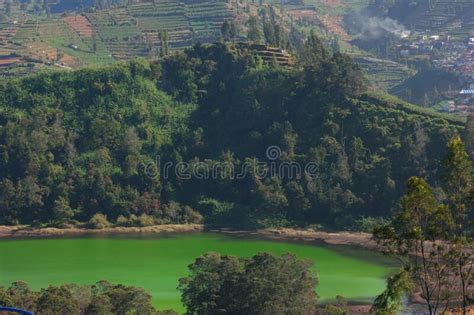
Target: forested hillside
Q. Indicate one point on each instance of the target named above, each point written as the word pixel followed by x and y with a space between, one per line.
pixel 78 143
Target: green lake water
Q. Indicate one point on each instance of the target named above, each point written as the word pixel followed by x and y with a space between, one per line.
pixel 156 263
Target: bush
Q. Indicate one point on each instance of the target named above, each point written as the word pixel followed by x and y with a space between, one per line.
pixel 368 224
pixel 140 221
pixel 98 221
pixel 314 227
pixel 192 216
pixel 174 212
pixel 122 221
pixel 145 220
pixel 276 221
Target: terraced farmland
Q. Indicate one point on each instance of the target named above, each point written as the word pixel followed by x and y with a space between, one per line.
pixel 100 36
pixel 80 24
pixel 455 17
pixel 383 74
pixel 135 30
pixel 206 19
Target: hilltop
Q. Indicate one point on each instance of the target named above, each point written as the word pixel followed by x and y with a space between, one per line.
pixel 399 46
pixel 74 34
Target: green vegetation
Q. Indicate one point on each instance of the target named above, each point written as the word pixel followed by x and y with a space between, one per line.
pixel 383 74
pixel 434 238
pixel 424 87
pixel 101 298
pixel 453 17
pixel 112 30
pixel 263 284
pixel 78 143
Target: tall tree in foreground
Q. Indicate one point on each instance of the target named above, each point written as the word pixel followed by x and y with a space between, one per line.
pixel 435 237
pixel 390 301
pixel 457 183
pixel 417 234
pixel 263 284
pixel 458 186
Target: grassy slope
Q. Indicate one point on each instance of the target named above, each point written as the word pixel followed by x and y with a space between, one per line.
pixel 390 100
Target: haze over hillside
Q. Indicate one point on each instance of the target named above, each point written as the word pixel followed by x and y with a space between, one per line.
pixel 418 50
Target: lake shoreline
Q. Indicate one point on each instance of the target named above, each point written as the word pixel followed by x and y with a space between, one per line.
pixel 363 240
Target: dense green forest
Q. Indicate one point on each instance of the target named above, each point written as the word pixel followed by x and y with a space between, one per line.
pixel 75 144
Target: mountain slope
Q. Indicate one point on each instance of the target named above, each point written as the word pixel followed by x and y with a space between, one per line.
pixel 82 142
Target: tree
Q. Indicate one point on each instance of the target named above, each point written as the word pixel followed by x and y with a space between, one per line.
pixel 100 305
pixel 103 298
pixel 458 186
pixel 262 284
pixel 313 52
pixel 458 182
pixel 22 296
pixel 253 33
pixel 468 135
pixel 228 30
pixel 390 301
pixel 126 299
pixel 56 300
pixel 62 212
pixel 164 49
pixel 269 33
pixel 416 233
pixel 436 235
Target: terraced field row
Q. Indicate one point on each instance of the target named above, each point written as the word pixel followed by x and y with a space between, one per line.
pixel 453 16
pixel 167 23
pixel 206 19
pixel 158 9
pixel 7 32
pixel 120 32
pixel 382 73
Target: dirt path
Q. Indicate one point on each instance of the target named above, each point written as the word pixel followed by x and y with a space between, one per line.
pixel 337 238
pixel 24 231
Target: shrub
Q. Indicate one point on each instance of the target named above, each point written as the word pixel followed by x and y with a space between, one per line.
pixel 192 216
pixel 122 221
pixel 142 220
pixel 174 212
pixel 314 227
pixel 98 221
pixel 368 224
pixel 145 220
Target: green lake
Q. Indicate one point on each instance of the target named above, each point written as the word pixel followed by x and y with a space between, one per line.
pixel 156 263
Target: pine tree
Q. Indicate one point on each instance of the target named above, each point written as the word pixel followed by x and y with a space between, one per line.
pixel 253 33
